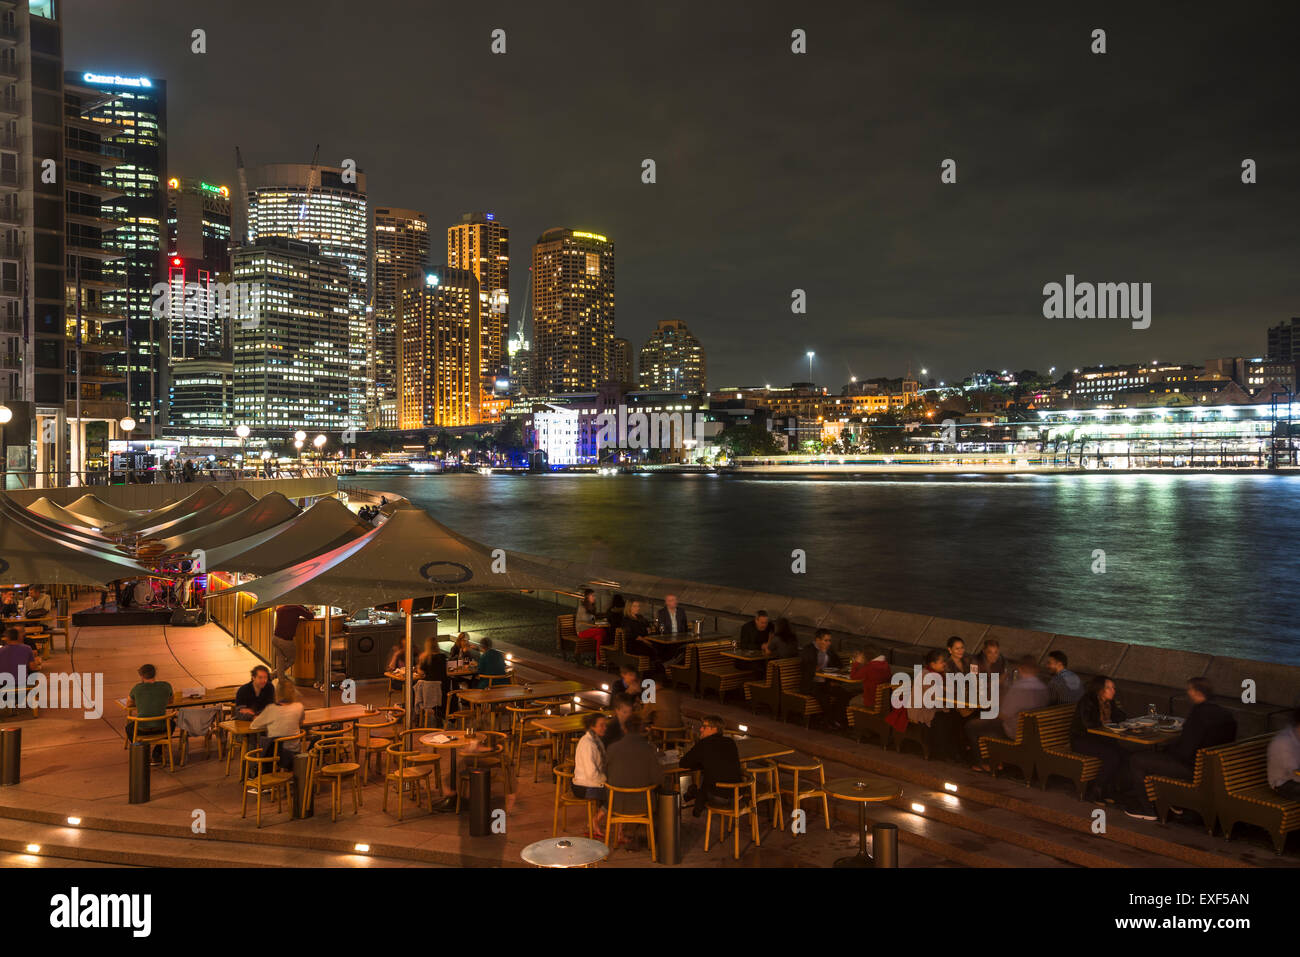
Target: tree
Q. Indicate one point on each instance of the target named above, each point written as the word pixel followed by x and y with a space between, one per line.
pixel 748 439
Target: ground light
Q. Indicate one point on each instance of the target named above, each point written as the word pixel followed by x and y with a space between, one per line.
pixel 744 728
pixel 918 808
pixel 74 822
pixel 361 848
pixel 33 849
pixel 949 786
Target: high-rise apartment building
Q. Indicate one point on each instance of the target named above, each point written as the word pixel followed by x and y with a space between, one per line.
pixel 1284 341
pixel 481 244
pixel 620 361
pixel 291 360
pixel 439 351
pixel 134 113
pixel 573 310
pixel 672 359
pixel 326 207
pixel 401 251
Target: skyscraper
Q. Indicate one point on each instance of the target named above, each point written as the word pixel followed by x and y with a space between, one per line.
pixel 440 377
pixel 324 206
pixel 134 113
pixel 481 244
pixel 620 362
pixel 672 359
pixel 401 249
pixel 290 348
pixel 198 247
pixel 573 311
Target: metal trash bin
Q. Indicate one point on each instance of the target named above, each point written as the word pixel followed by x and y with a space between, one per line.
pixel 304 801
pixel 11 756
pixel 668 826
pixel 480 802
pixel 138 769
pixel 884 845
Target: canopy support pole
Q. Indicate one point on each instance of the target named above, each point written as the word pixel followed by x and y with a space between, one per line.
pixel 327 663
pixel 408 699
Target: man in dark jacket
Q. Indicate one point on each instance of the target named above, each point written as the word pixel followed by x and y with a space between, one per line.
pixel 1207 725
pixel 253 697
pixel 671 619
pixel 829 694
pixel 716 757
pixel 632 762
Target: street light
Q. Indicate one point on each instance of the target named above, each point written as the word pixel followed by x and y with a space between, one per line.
pixel 810 359
pixel 300 436
pixel 243 432
pixel 127 425
pixel 319 442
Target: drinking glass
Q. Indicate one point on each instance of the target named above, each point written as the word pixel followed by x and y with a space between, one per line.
pixel 1151 711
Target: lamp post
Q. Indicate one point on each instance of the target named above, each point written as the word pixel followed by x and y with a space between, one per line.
pixel 127 425
pixel 6 416
pixel 243 432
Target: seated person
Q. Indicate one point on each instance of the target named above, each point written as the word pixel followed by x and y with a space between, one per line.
pixel 589 766
pixel 629 682
pixel 1065 686
pixel 432 663
pixel 490 662
pixel 280 719
pixel 615 614
pixel 623 707
pixel 782 643
pixel 584 620
pixel 1096 708
pixel 632 762
pixel 815 658
pixel 1026 693
pixel 635 627
pixel 990 660
pixel 37 607
pixel 1207 725
pixel 9 606
pixel 717 759
pixel 755 634
pixel 671 619
pixel 1284 759
pixel 462 650
pixel 15 654
pixel 253 697
pixel 872 670
pixel 150 698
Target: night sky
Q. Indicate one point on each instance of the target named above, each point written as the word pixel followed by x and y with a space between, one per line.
pixel 778 171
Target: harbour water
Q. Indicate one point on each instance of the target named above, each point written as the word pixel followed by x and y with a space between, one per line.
pixel 1205 562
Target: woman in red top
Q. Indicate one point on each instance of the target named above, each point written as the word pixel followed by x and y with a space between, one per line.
pixel 872 673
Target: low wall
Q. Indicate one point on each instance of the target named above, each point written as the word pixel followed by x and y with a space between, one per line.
pixel 159 494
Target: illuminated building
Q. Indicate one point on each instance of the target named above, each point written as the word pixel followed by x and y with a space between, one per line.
pixel 438 352
pixel 401 250
pixel 620 362
pixel 133 112
pixel 481 244
pixel 521 381
pixel 290 353
pixel 573 310
pixel 202 394
pixel 672 359
pixel 324 206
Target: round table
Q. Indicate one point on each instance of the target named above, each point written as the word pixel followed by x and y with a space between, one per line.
pixel 456 741
pixel 863 791
pixel 565 852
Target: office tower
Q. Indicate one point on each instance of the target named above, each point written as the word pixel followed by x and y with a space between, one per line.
pixel 198 259
pixel 1284 341
pixel 439 351
pixel 134 114
pixel 672 359
pixel 620 362
pixel 95 296
pixel 324 206
pixel 521 365
pixel 202 394
pixel 291 358
pixel 33 330
pixel 573 310
pixel 481 244
pixel 401 249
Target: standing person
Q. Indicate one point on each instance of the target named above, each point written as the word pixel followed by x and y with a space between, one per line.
pixel 632 762
pixel 1065 686
pixel 756 633
pixel 251 699
pixel 1098 707
pixel 490 662
pixel 815 658
pixel 671 619
pixel 1026 693
pixel 284 638
pixel 1284 759
pixel 717 759
pixel 1208 725
pixel 151 698
pixel 280 719
pixel 584 620
pixel 589 767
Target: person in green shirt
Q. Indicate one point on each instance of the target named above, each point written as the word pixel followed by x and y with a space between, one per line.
pixel 490 662
pixel 150 698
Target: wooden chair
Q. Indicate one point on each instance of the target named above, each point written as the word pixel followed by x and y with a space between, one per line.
pixel 1018 752
pixel 457 716
pixel 567 640
pixel 616 819
pixel 794 703
pixel 718 674
pixel 565 799
pixel 260 775
pixel 765 693
pixel 520 715
pixel 330 762
pixel 870 719
pixel 1055 759
pixel 233 737
pixel 1244 796
pixel 375 742
pixel 161 737
pixel 1197 795
pixel 493 756
pixel 687 674
pixel 797 765
pixel 767 787
pixel 410 741
pixel 401 774
pixel 669 737
pixel 61 625
pixel 743 803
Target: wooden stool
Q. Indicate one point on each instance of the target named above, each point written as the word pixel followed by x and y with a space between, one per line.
pixel 670 736
pixel 520 714
pixel 798 765
pixel 372 746
pixel 405 775
pixel 733 814
pixel 494 755
pixel 329 761
pixel 615 819
pixel 537 746
pixel 410 740
pixel 236 736
pixel 565 799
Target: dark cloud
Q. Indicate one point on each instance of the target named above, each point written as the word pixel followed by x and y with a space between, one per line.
pixel 779 171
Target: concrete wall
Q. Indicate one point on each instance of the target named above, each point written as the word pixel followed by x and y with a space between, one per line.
pixel 158 495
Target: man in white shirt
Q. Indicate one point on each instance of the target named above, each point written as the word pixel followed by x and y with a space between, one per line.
pixel 589 765
pixel 37 605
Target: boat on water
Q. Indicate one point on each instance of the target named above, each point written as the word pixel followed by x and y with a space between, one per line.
pixel 386 468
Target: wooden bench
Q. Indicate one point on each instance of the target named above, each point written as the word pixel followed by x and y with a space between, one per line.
pixel 1021 752
pixel 718 674
pixel 1244 796
pixel 871 719
pixel 794 703
pixel 1055 757
pixel 567 640
pixel 765 693
pixel 1198 794
pixel 622 657
pixel 687 674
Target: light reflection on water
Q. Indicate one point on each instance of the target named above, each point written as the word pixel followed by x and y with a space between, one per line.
pixel 1203 562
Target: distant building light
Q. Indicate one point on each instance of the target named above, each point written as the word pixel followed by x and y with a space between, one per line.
pixel 431 279
pixel 113 80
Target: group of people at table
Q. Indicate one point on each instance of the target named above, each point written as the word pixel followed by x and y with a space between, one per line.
pixel 1022 686
pixel 31 612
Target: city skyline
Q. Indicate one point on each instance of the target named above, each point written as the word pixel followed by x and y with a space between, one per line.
pixel 1079 177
